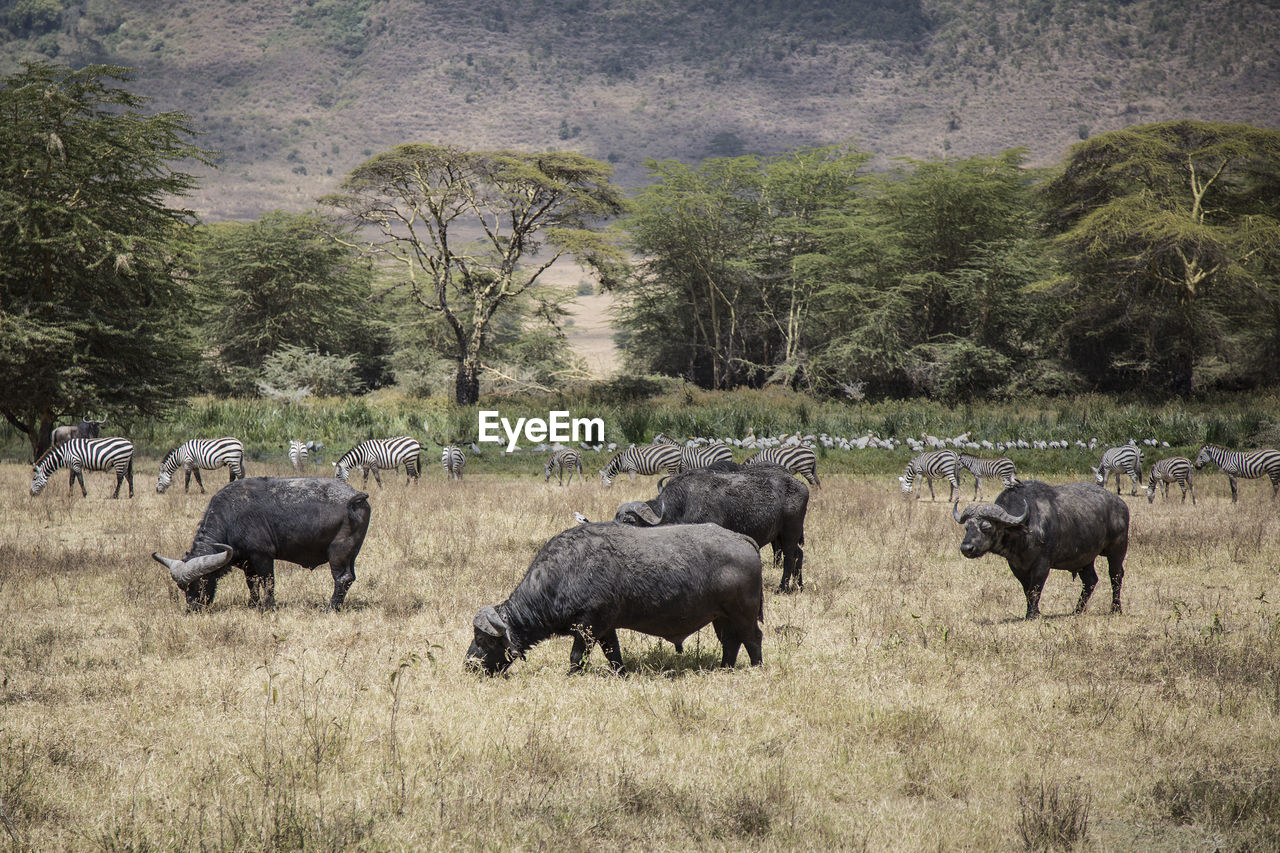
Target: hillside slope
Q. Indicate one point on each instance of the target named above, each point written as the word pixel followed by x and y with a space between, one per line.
pixel 294 94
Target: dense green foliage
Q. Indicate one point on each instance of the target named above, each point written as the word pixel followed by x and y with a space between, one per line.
pixel 282 281
pixel 1179 223
pixel 89 308
pixel 1150 261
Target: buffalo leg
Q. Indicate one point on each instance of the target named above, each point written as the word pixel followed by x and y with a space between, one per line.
pixel 582 645
pixel 729 641
pixel 1115 566
pixel 260 577
pixel 792 565
pixel 612 650
pixel 344 575
pixel 199 482
pixel 1088 580
pixel 1032 586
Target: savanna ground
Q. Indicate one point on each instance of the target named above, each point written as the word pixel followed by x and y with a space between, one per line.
pixel 903 704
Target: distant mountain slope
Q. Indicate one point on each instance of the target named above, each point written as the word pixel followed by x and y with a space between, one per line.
pixel 296 93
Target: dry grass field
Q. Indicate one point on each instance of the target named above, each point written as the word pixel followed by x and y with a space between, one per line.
pixel 903 704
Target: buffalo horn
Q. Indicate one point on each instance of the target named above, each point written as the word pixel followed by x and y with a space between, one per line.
pixel 488 621
pixel 184 572
pixel 995 512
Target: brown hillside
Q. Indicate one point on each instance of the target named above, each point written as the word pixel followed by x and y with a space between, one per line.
pixel 294 94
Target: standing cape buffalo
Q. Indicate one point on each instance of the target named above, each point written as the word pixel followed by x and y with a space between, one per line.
pixel 254 522
pixel 1038 527
pixel 591 580
pixel 762 501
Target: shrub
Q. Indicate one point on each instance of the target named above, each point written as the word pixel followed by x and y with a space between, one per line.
pixel 290 370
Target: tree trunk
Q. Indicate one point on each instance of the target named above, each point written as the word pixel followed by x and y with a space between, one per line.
pixel 41 434
pixel 467 385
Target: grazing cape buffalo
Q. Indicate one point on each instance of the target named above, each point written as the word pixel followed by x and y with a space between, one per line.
pixel 762 501
pixel 1038 527
pixel 252 523
pixel 593 579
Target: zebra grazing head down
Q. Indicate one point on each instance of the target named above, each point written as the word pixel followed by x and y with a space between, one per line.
pixel 198 453
pixel 85 454
pixel 380 454
pixel 1125 459
pixel 642 459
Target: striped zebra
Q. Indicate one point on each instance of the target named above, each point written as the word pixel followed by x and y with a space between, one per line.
pixel 298 451
pixel 1175 469
pixel 380 453
pixel 796 458
pixel 453 460
pixel 563 458
pixel 934 464
pixel 696 458
pixel 206 453
pixel 1127 460
pixel 642 459
pixel 1000 466
pixel 85 454
pixel 1249 464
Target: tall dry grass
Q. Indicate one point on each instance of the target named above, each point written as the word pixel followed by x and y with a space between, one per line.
pixel 902 705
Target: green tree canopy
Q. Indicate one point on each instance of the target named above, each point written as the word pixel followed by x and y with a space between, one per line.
pixel 1169 235
pixel 929 296
pixel 469 231
pixel 88 305
pixel 284 281
pixel 734 251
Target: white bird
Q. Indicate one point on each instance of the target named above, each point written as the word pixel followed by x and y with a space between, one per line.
pixel 580 518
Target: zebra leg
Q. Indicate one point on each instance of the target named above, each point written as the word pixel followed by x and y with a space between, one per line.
pixel 929 480
pixel 1275 486
pixel 71 481
pixel 1088 580
pixel 1191 487
pixel 376 476
pixel 199 482
pixel 1232 480
pixel 120 481
pixel 977 486
pixel 128 474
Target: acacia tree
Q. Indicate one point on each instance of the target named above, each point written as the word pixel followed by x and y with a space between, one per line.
pixel 472 230
pixel 1170 237
pixel 87 300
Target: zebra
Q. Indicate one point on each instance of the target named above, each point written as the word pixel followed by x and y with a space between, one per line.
pixel 930 465
pixel 663 438
pixel 562 458
pixel 380 453
pixel 1175 469
pixel 796 458
pixel 1000 466
pixel 694 458
pixel 298 451
pixel 1125 459
pixel 642 459
pixel 206 453
pixel 1249 464
pixel 85 454
pixel 453 460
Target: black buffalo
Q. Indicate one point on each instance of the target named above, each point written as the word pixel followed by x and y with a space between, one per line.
pixel 252 523
pixel 763 501
pixel 591 580
pixel 1038 527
